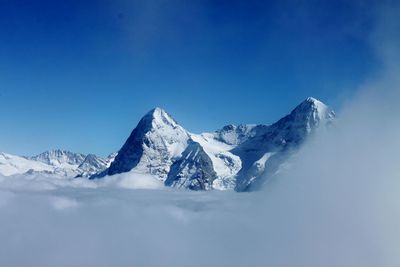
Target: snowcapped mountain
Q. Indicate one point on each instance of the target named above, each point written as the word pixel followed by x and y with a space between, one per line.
pixel 54 162
pixel 11 165
pixel 64 163
pixel 153 146
pixel 59 158
pixel 235 157
pixel 269 147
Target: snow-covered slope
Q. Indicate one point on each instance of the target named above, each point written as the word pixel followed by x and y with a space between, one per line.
pixel 60 163
pixel 64 163
pixel 235 157
pixel 225 163
pixel 11 165
pixel 194 170
pixel 91 165
pixel 235 135
pixel 60 158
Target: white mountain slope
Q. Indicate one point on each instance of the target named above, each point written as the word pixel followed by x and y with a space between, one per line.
pixel 60 163
pixel 226 164
pixel 235 157
pixel 11 165
pixel 60 158
pixel 64 163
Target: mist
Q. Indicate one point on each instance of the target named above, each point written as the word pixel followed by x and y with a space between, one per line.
pixel 338 204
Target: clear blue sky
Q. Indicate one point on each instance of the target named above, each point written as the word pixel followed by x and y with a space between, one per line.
pixel 79 74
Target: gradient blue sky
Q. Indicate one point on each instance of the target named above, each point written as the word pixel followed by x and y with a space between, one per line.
pixel 79 75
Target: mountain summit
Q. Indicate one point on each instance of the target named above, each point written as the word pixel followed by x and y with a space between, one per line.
pixel 156 142
pixel 59 158
pixel 312 112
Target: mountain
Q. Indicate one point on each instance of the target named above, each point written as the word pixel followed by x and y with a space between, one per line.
pixel 60 158
pixel 92 164
pixel 64 163
pixel 270 146
pixel 153 146
pixel 193 170
pixel 58 162
pixel 11 165
pixel 236 157
pixel 161 147
pixel 240 158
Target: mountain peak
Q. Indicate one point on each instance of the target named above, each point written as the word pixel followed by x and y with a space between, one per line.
pixel 313 102
pixel 156 136
pixel 312 99
pixel 57 157
pixel 313 108
pixel 56 152
pixel 157 117
pixel 155 111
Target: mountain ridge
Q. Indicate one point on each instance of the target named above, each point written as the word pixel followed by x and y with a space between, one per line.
pixel 240 158
pixel 58 162
pixel 235 157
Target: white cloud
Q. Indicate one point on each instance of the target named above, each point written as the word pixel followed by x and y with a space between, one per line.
pixel 61 203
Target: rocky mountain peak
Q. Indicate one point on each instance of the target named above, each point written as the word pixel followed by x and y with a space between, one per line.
pixel 58 157
pixel 152 146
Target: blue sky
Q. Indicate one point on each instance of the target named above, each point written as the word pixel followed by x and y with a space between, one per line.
pixel 79 75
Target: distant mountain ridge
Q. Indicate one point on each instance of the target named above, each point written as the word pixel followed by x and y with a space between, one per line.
pixel 57 162
pixel 59 157
pixel 240 158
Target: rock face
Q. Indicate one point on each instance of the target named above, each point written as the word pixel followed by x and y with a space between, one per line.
pixel 155 143
pixel 91 165
pixel 194 170
pixel 236 157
